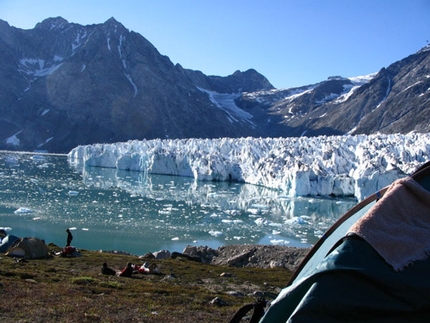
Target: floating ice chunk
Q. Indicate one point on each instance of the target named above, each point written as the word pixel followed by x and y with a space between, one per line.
pixel 253 211
pixel 262 221
pixel 72 193
pixel 296 220
pixel 215 233
pixel 279 242
pixel 23 210
pixel 231 221
pixel 175 239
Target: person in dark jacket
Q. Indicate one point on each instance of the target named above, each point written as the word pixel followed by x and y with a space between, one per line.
pixel 127 271
pixel 69 238
pixel 105 270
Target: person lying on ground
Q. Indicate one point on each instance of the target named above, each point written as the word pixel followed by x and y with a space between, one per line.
pixel 147 269
pixel 127 271
pixel 105 270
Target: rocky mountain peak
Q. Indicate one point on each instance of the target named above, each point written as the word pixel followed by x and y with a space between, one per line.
pixel 4 24
pixel 52 23
pixel 248 81
pixel 114 25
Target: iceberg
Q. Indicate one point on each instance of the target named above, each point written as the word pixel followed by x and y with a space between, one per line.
pixel 345 165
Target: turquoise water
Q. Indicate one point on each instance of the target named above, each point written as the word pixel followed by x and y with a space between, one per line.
pixel 107 209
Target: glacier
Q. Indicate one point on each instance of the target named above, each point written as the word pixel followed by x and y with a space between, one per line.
pixel 346 165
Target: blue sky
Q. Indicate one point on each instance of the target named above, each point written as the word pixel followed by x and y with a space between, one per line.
pixel 292 43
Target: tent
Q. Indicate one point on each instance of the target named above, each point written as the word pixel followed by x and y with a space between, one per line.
pixel 6 242
pixel 28 248
pixel 372 265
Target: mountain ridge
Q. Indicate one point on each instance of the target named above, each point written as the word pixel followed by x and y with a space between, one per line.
pixel 64 84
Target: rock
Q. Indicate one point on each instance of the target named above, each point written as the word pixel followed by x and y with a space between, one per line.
pixel 274 264
pixel 182 255
pixel 148 255
pixel 240 258
pixel 262 256
pixel 218 301
pixel 162 254
pixel 169 277
pixel 205 253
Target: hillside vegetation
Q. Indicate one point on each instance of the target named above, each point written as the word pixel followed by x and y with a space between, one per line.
pixel 61 289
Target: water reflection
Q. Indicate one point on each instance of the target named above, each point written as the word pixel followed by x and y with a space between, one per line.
pixel 122 210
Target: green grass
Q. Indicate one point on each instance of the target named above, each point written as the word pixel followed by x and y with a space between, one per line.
pixel 73 290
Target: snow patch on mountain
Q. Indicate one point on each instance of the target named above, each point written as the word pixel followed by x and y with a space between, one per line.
pixel 225 102
pixel 363 79
pixel 326 165
pixel 81 35
pixel 132 84
pixel 38 67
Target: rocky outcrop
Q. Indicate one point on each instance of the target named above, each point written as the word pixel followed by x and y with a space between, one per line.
pixel 262 256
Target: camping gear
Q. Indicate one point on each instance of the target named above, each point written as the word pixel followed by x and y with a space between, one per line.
pixel 370 266
pixel 28 248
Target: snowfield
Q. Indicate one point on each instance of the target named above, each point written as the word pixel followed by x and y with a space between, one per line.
pixel 306 166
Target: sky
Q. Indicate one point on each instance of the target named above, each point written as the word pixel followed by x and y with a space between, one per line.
pixel 291 43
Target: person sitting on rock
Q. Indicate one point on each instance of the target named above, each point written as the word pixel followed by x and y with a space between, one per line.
pixel 127 271
pixel 105 270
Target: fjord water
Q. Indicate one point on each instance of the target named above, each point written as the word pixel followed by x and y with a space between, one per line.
pixel 41 195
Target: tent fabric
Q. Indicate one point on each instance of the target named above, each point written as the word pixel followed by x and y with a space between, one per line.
pixel 6 242
pixel 398 226
pixel 355 284
pixel 28 248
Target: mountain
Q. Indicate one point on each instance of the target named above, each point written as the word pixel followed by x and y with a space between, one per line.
pixel 64 85
pixel 394 100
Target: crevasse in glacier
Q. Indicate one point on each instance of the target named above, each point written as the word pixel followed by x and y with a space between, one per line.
pixel 306 166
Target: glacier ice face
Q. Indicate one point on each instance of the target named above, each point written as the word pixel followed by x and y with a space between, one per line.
pixel 306 166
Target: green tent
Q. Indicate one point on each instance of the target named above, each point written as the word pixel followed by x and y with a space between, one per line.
pixel 371 266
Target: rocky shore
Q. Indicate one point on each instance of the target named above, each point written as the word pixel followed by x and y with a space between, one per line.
pixel 261 256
